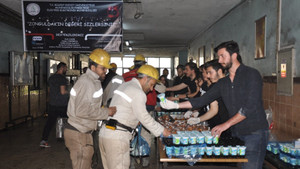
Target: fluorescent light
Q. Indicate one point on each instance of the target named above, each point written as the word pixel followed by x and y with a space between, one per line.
pixel 130 48
pixel 127 43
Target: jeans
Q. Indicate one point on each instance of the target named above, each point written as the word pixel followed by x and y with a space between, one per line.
pixel 53 113
pixel 256 144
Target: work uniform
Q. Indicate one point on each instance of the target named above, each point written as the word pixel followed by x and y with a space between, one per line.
pixel 84 110
pixel 130 101
pixel 108 93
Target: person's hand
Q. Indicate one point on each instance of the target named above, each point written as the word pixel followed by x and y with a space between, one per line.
pixel 161 88
pixel 195 114
pixel 112 111
pixel 187 114
pixel 217 130
pixel 167 104
pixel 193 120
pixel 166 133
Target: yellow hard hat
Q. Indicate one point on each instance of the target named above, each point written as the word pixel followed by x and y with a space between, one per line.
pixel 100 57
pixel 149 71
pixel 113 66
pixel 139 57
pixel 131 67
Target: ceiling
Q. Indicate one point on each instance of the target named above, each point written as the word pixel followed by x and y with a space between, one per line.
pixel 164 23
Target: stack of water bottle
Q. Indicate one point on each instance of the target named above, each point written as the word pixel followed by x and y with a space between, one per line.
pixel 287 152
pixel 195 144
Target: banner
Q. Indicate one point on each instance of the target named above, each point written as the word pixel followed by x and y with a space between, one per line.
pixel 72 26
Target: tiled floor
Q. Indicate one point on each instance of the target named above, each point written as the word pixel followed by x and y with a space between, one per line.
pixel 19 149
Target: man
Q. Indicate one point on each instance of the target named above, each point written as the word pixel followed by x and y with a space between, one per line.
pixel 179 79
pixel 139 60
pixel 84 110
pixel 111 82
pixel 130 100
pixel 58 100
pixel 191 71
pixel 241 92
pixel 217 113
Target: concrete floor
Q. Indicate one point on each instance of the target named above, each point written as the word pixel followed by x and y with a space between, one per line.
pixel 19 149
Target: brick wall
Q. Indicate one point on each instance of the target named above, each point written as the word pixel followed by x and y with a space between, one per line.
pixel 286 109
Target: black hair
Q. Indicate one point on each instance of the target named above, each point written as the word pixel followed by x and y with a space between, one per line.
pixel 215 65
pixel 92 63
pixel 60 65
pixel 193 66
pixel 180 67
pixel 231 47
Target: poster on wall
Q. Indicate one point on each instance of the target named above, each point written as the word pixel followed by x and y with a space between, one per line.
pixel 21 68
pixel 72 26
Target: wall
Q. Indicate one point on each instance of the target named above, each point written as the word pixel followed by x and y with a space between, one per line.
pixel 239 25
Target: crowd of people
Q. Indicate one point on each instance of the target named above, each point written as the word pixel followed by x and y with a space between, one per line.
pixel 224 92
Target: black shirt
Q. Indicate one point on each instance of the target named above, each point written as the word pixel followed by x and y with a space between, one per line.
pixel 243 95
pixel 191 84
pixel 178 80
pixel 55 97
pixel 220 117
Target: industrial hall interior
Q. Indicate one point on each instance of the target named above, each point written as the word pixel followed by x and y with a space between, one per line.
pixel 154 84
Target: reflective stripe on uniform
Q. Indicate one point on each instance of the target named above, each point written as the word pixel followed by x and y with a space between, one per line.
pixel 98 93
pixel 73 92
pixel 117 81
pixel 122 94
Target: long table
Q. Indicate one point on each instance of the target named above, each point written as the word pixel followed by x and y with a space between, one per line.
pixel 164 159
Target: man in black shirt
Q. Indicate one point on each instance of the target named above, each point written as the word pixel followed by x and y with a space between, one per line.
pixel 191 72
pixel 217 113
pixel 58 100
pixel 241 92
pixel 179 79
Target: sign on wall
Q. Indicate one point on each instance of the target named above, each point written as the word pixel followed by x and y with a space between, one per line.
pixel 72 26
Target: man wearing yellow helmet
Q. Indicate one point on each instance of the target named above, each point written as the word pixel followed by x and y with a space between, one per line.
pixel 84 110
pixel 130 100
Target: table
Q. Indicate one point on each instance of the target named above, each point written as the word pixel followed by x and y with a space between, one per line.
pixel 164 159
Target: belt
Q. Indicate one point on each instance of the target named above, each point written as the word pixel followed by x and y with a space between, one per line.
pixel 69 126
pixel 131 130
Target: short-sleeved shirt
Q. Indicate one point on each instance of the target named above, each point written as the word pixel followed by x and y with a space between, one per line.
pixel 55 97
pixel 178 80
pixel 191 84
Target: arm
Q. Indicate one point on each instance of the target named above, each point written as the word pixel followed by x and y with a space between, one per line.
pixel 214 108
pixel 63 90
pixel 232 121
pixel 177 87
pixel 138 105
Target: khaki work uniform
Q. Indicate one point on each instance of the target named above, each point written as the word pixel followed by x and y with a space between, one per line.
pixel 130 101
pixel 108 93
pixel 84 109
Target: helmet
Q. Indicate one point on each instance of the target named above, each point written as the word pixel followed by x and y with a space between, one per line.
pixel 149 71
pixel 131 67
pixel 100 57
pixel 139 57
pixel 113 66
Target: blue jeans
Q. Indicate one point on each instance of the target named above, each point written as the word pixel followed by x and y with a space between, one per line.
pixel 256 144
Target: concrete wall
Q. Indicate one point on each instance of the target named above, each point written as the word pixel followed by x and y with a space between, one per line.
pixel 11 39
pixel 239 25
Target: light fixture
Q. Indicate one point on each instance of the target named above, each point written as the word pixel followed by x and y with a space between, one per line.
pixel 130 48
pixel 127 43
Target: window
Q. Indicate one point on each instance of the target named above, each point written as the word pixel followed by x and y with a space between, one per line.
pixel 158 62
